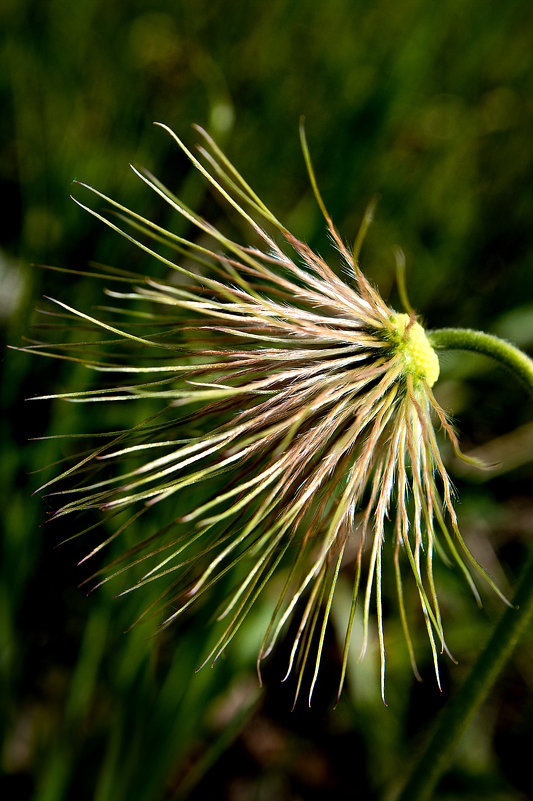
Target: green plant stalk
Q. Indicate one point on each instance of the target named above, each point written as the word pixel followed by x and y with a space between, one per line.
pixel 462 707
pixel 508 355
pixel 460 710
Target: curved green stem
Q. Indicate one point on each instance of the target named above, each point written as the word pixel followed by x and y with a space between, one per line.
pixel 460 710
pixel 508 355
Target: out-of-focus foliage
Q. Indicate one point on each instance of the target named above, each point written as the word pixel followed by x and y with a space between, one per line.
pixel 428 106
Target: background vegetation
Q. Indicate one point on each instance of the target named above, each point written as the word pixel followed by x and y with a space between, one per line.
pixel 429 106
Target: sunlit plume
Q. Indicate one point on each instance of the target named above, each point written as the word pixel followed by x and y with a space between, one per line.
pixel 292 438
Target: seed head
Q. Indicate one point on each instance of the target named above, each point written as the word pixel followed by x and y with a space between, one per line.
pixel 297 399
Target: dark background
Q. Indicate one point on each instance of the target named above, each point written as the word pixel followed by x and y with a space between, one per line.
pixel 430 107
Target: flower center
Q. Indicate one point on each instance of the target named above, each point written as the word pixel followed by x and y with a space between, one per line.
pixel 420 358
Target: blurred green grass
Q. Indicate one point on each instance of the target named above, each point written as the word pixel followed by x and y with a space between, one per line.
pixel 427 105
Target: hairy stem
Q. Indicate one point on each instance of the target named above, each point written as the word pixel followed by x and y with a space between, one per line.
pixel 508 355
pixel 460 710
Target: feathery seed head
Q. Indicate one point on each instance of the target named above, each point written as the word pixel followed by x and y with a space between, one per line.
pixel 312 419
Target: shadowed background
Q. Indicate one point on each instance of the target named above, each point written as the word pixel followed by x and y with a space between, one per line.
pixel 428 106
